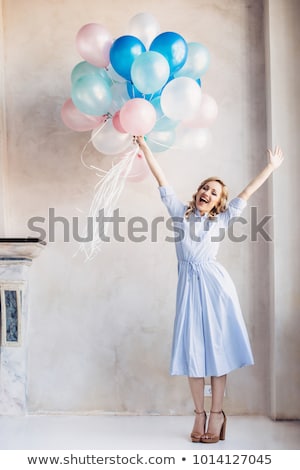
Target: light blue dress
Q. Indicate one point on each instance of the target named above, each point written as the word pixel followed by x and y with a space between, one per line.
pixel 210 336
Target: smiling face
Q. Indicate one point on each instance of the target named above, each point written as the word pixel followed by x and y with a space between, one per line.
pixel 208 196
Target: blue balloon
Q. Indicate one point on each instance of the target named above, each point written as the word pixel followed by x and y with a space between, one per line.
pixel 91 95
pixel 173 47
pixel 123 52
pixel 133 92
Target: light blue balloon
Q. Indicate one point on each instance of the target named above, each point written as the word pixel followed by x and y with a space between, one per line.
pixel 84 68
pixel 149 72
pixel 123 52
pixel 91 95
pixel 197 61
pixel 173 47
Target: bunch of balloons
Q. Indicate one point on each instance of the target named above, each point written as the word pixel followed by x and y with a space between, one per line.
pixel 146 82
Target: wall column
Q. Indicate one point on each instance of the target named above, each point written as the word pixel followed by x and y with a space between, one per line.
pixel 16 257
pixel 282 40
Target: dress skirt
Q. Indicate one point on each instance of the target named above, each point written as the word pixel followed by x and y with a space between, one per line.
pixel 210 337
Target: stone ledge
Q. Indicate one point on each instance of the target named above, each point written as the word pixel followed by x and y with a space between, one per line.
pixel 22 248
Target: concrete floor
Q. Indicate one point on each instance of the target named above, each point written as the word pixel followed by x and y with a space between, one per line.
pixel 108 432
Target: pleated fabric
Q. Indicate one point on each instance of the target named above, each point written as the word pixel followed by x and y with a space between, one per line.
pixel 210 337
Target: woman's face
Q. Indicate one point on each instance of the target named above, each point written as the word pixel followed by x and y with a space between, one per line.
pixel 208 196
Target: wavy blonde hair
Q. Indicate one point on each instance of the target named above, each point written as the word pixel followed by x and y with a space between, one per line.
pixel 220 206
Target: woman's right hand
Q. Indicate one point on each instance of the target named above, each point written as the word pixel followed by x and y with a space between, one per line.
pixel 153 164
pixel 140 140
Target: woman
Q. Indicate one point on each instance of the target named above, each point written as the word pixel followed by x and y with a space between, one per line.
pixel 210 337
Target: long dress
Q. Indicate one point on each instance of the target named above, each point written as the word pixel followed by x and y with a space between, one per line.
pixel 210 336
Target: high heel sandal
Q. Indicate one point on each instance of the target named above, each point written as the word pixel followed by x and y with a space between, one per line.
pixel 209 438
pixel 196 436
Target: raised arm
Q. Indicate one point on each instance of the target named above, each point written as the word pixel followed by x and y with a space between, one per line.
pixel 275 158
pixel 152 162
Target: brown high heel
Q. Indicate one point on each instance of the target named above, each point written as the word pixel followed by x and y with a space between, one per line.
pixel 209 438
pixel 196 436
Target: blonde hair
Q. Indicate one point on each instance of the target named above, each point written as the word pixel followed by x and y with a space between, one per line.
pixel 219 207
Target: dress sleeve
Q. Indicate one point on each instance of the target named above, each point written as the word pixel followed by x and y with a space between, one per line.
pixel 234 209
pixel 175 207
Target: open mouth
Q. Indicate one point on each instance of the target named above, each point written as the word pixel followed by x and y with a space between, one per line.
pixel 203 199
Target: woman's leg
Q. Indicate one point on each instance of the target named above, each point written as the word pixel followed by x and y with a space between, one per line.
pixel 216 419
pixel 197 390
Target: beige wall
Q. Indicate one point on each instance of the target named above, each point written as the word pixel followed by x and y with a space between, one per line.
pixel 100 331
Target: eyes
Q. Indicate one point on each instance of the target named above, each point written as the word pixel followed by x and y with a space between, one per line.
pixel 207 188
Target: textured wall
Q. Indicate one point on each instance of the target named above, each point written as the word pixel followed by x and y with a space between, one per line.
pixel 100 331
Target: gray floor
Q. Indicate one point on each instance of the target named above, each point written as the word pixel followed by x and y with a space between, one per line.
pixel 108 432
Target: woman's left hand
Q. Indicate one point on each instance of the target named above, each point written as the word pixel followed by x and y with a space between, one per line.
pixel 275 157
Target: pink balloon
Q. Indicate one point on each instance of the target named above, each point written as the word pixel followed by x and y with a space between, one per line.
pixel 116 123
pixel 206 114
pixel 137 116
pixel 93 43
pixel 139 170
pixel 78 121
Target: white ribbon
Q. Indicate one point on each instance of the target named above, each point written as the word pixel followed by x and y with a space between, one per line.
pixel 107 193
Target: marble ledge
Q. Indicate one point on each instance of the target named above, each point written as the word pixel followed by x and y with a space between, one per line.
pixel 20 249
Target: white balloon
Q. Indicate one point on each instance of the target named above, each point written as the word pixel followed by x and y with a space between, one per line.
pixel 160 141
pixel 192 139
pixel 109 141
pixel 114 76
pixel 206 114
pixel 145 27
pixel 181 98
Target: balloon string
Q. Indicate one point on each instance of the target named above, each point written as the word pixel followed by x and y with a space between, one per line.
pixel 107 193
pixel 91 167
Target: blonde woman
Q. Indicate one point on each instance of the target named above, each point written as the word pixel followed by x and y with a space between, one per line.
pixel 210 338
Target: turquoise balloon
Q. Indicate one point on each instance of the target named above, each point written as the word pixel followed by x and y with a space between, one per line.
pixel 84 68
pixel 123 52
pixel 173 47
pixel 91 95
pixel 149 72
